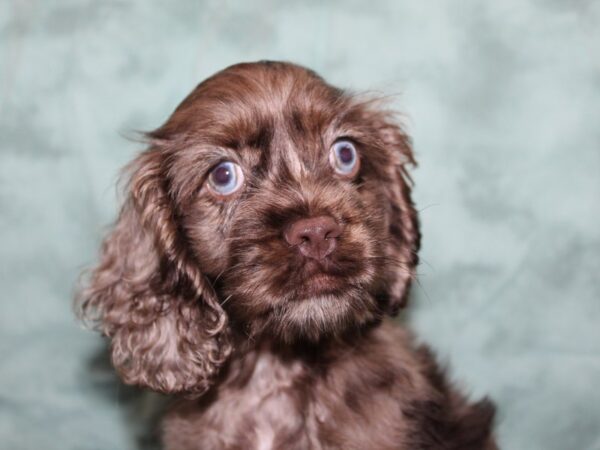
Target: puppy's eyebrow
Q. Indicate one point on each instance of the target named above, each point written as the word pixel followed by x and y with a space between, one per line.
pixel 261 138
pixel 296 121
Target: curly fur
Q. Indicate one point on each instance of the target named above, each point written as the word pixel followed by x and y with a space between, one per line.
pixel 201 296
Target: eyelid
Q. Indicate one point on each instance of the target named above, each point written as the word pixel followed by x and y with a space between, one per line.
pixel 351 139
pixel 218 157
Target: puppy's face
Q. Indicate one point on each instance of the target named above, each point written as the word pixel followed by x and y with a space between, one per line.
pixel 270 204
pixel 290 198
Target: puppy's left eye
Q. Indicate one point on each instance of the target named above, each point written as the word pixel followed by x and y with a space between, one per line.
pixel 225 179
pixel 343 157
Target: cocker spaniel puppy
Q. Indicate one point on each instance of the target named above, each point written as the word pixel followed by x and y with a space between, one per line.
pixel 267 233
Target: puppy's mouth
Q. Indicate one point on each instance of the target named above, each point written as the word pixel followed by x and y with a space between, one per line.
pixel 319 279
pixel 320 284
pixel 298 297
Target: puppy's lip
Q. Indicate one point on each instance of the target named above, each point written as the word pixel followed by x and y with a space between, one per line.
pixel 323 277
pixel 314 268
pixel 320 283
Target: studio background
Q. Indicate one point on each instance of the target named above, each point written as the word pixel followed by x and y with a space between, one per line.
pixel 502 100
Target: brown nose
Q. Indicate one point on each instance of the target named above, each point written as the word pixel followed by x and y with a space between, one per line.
pixel 315 237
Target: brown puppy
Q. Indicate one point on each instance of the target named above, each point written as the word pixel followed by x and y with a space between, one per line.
pixel 267 232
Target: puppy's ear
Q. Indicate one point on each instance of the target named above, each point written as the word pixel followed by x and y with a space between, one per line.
pixel 405 236
pixel 168 331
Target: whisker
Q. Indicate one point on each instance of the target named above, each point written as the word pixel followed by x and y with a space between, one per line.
pixel 422 289
pixel 428 206
pixel 226 300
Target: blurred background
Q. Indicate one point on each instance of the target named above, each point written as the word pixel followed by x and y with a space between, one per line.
pixel 502 100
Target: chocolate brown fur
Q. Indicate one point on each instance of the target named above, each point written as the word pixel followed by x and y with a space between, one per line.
pixel 203 297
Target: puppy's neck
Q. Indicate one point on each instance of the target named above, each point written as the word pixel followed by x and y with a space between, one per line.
pixel 311 353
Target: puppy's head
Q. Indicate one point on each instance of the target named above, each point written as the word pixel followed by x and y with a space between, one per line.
pixel 270 202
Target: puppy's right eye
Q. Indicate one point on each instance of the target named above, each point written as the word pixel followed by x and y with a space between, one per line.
pixel 225 179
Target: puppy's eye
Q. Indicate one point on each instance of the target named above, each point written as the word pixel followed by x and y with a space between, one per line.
pixel 225 179
pixel 343 157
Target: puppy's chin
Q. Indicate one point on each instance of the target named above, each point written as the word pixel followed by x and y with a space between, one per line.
pixel 314 318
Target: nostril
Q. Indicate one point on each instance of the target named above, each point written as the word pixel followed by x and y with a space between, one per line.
pixel 333 231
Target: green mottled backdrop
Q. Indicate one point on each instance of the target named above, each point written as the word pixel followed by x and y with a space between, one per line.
pixel 502 99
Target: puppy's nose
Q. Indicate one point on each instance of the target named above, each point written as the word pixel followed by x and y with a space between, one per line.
pixel 315 237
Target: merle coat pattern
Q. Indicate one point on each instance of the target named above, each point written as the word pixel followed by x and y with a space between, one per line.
pixel 264 310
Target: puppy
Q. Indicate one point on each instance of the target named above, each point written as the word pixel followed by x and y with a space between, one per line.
pixel 267 233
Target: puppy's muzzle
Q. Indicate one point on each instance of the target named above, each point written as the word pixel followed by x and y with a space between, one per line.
pixel 315 237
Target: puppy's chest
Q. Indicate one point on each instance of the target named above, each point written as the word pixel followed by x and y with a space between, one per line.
pixel 272 409
pixel 281 406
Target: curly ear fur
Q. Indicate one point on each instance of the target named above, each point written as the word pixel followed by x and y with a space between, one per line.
pixel 404 221
pixel 168 331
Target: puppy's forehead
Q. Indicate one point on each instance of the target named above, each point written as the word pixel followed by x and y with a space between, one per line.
pixel 279 108
pixel 251 101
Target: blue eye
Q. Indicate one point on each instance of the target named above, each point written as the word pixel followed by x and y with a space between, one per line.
pixel 344 158
pixel 225 179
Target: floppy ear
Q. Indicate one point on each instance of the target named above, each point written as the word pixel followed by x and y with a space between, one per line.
pixel 168 331
pixel 405 237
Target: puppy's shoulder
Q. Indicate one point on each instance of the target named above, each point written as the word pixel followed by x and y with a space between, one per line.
pixel 391 375
pixel 442 413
